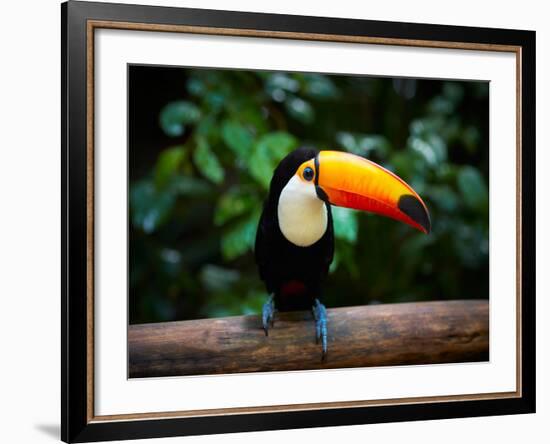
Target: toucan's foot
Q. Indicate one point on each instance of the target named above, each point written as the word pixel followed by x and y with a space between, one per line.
pixel 268 314
pixel 320 315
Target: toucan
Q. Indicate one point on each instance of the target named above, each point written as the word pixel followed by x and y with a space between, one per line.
pixel 295 236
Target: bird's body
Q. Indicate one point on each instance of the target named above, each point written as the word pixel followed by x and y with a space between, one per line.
pixel 295 236
pixel 293 274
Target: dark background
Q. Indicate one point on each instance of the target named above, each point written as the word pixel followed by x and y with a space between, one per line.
pixel 204 142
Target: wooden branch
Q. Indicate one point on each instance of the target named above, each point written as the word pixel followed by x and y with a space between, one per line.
pixel 375 335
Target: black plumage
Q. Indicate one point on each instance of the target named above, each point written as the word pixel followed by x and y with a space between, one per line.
pixel 292 274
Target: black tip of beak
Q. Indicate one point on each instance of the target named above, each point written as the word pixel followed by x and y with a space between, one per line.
pixel 413 208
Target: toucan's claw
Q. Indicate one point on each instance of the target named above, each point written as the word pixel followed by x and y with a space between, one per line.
pixel 268 314
pixel 320 315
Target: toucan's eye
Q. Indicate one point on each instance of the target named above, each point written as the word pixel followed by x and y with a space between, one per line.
pixel 308 174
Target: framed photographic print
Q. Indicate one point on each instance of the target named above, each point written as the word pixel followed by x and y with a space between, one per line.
pixel 276 221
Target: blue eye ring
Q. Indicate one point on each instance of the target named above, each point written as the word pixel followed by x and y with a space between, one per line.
pixel 308 174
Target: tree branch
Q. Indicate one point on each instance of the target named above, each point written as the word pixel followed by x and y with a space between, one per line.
pixel 376 335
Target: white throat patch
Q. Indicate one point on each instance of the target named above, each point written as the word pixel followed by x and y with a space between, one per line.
pixel 302 215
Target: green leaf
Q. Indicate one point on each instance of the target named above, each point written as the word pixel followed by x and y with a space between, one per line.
pixel 278 144
pixel 432 148
pixel 268 152
pixel 190 186
pixel 207 162
pixel 473 188
pixel 374 143
pixel 196 86
pixel 239 238
pixel 320 87
pixel 441 105
pixel 261 167
pixel 335 262
pixel 453 91
pixel 413 246
pixel 253 302
pixel 279 84
pixel 149 209
pixel 347 141
pixel 237 137
pixel 300 109
pixel 364 144
pixel 443 196
pixel 232 204
pixel 346 225
pixel 208 128
pixel 215 278
pixel 345 253
pixel 470 244
pixel 176 115
pixel 168 164
pixel 405 163
pixel 470 138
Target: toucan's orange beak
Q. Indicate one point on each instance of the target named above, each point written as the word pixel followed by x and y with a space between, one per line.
pixel 347 180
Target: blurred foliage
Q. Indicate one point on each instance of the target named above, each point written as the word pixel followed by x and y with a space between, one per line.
pixel 197 187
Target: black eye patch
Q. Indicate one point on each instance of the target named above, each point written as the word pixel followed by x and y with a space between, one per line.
pixel 308 174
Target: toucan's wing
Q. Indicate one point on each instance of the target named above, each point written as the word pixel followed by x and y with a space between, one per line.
pixel 328 254
pixel 265 252
pixel 261 248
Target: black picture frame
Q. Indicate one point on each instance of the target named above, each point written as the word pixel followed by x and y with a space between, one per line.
pixel 77 425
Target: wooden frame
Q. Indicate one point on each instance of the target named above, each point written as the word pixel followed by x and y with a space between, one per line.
pixel 79 20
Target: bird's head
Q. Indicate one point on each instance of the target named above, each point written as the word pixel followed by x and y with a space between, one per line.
pixel 307 180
